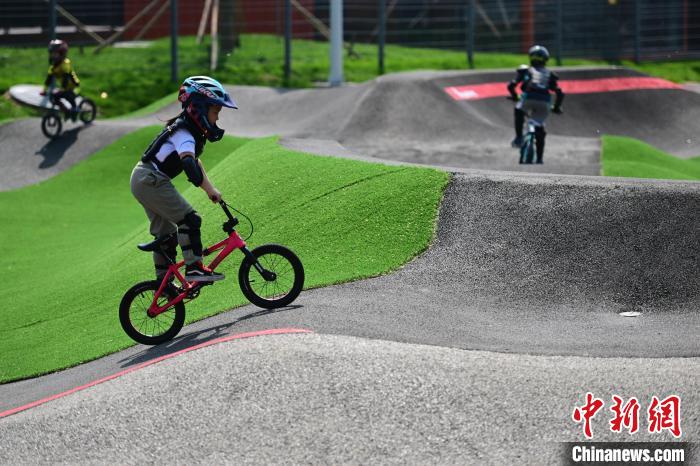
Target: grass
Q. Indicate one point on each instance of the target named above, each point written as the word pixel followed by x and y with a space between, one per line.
pixel 152 107
pixel 72 254
pixel 136 77
pixel 628 157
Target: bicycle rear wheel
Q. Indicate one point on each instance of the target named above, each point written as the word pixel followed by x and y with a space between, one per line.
pixel 288 277
pixel 150 330
pixel 51 125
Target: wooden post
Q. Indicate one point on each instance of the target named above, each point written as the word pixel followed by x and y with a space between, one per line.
pixel 203 21
pixel 111 39
pixel 214 36
pixel 81 27
pixel 153 20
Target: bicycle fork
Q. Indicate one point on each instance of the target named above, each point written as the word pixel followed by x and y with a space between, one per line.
pixel 266 274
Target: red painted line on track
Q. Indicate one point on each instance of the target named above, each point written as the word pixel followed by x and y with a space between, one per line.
pixel 278 331
pixel 573 86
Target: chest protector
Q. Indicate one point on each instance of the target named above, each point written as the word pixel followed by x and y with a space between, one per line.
pixel 537 81
pixel 172 164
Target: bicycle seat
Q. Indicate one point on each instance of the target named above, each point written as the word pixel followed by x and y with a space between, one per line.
pixel 153 245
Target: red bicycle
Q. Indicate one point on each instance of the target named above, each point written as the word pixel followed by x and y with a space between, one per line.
pixel 270 276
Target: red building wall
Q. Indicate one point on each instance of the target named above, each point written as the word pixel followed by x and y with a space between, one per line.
pixel 256 16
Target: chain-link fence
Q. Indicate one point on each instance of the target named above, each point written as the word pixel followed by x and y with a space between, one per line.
pixel 606 29
pixel 247 41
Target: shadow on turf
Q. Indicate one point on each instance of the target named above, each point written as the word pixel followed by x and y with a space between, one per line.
pixel 197 337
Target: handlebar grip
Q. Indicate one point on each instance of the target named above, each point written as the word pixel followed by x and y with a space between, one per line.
pixel 225 208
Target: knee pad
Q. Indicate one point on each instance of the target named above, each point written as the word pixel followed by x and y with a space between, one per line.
pixel 190 226
pixel 192 220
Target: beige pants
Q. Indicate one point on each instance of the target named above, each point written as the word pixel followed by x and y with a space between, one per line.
pixel 165 208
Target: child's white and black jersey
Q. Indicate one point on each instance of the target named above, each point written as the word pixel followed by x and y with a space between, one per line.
pixel 164 152
pixel 167 159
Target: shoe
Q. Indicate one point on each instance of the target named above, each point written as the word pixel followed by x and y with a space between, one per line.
pixel 517 142
pixel 199 272
pixel 539 161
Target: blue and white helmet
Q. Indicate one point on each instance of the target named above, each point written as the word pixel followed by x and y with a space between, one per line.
pixel 196 94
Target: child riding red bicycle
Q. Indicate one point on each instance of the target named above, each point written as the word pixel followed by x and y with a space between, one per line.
pixel 176 149
pixel 270 276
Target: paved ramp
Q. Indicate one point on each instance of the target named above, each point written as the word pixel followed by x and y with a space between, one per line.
pixel 536 269
pixel 28 157
pixel 407 117
pixel 320 399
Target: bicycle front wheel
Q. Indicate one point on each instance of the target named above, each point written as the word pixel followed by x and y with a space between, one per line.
pixel 51 125
pixel 87 111
pixel 274 292
pixel 133 314
pixel 527 151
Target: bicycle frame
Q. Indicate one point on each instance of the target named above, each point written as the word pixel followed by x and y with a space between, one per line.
pixel 227 246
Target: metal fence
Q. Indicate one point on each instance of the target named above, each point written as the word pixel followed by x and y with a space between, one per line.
pixel 598 29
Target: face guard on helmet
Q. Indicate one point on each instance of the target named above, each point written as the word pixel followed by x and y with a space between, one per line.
pixel 58 49
pixel 538 55
pixel 196 94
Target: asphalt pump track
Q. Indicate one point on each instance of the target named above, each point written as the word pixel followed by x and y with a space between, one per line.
pixel 476 351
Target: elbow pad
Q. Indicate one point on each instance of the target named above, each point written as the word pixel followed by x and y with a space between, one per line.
pixel 192 170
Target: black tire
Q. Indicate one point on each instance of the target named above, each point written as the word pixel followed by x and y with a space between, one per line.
pixel 276 293
pixel 527 152
pixel 87 111
pixel 150 330
pixel 51 125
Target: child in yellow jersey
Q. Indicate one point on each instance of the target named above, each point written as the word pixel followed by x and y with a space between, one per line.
pixel 61 75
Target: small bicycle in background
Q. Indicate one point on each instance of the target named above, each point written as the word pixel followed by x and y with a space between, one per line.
pixel 52 121
pixel 527 150
pixel 152 312
pixel 528 147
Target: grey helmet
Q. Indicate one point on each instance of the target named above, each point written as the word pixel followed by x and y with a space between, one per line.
pixel 538 55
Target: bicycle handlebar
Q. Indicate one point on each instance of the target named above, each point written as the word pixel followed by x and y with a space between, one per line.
pixel 226 211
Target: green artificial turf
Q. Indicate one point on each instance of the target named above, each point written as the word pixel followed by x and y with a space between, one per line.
pixel 628 157
pixel 72 251
pixel 133 78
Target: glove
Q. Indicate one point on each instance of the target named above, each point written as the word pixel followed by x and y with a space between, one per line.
pixel 557 110
pixel 42 93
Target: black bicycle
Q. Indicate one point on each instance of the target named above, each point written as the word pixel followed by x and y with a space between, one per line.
pixel 52 121
pixel 528 147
